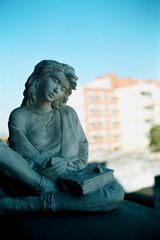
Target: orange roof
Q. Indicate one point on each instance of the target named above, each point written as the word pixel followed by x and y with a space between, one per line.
pixel 117 82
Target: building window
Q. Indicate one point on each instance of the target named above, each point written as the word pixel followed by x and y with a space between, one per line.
pixel 146 93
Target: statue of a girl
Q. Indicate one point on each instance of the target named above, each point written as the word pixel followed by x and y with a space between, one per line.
pixel 48 135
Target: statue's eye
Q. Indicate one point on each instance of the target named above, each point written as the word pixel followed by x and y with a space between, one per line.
pixel 56 81
pixel 63 88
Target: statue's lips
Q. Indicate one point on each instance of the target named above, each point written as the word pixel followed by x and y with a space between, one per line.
pixel 74 84
pixel 51 94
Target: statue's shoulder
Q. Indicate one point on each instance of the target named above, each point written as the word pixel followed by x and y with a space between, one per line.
pixel 18 115
pixel 68 109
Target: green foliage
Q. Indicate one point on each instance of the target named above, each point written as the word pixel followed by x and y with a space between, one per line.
pixel 154 136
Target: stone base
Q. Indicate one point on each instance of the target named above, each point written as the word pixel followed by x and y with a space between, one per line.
pixel 130 221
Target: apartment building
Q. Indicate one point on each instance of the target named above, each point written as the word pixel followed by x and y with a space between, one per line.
pixel 117 114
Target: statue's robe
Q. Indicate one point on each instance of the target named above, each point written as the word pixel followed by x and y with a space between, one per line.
pixel 45 136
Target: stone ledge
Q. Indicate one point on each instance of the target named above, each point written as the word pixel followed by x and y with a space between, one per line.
pixel 130 221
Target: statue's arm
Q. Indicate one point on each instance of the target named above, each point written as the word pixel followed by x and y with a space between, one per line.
pixel 80 160
pixel 73 162
pixel 20 143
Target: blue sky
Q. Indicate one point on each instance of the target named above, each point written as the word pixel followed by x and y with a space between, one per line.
pixel 95 37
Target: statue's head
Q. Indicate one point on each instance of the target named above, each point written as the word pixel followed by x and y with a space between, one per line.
pixel 48 72
pixel 71 75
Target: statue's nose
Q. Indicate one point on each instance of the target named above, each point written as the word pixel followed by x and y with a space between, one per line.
pixel 56 89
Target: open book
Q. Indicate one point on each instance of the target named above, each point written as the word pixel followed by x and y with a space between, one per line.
pixel 86 180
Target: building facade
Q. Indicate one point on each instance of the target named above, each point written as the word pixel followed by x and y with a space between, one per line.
pixel 117 114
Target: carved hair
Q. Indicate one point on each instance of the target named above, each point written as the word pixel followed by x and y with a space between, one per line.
pixel 41 70
pixel 71 76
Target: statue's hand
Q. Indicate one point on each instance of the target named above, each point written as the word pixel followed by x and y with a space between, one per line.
pixel 54 167
pixel 72 166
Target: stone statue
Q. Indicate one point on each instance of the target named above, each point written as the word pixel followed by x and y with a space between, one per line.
pixel 46 139
pixel 17 170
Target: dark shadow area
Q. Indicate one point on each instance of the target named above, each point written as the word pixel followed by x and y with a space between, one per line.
pixel 149 196
pixel 130 221
pixel 144 197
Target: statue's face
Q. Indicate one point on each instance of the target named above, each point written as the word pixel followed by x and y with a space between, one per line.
pixel 52 88
pixel 72 77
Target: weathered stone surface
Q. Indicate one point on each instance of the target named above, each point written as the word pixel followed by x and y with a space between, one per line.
pixel 86 180
pixel 47 138
pixel 130 221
